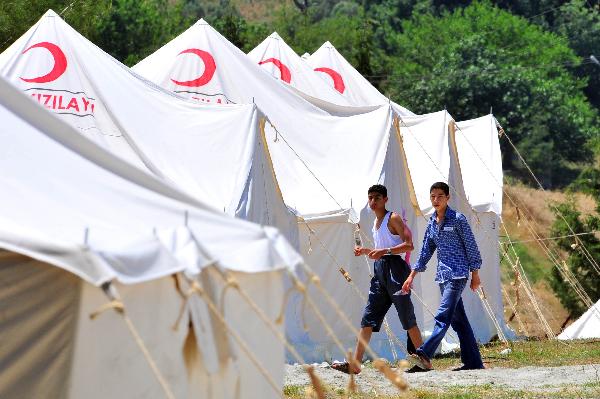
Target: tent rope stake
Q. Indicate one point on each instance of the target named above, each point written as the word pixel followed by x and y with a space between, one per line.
pixel 490 312
pixel 518 268
pixel 272 326
pixel 316 282
pixel 391 336
pixel 585 251
pixel 514 309
pixel 389 333
pixel 572 280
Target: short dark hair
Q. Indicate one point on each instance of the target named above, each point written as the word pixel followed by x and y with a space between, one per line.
pixel 440 185
pixel 378 188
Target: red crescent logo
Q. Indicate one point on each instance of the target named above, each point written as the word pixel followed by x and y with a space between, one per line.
pixel 209 69
pixel 284 71
pixel 60 63
pixel 338 82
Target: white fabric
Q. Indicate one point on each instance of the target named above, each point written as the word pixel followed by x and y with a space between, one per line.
pixel 77 206
pixel 425 143
pixel 382 236
pixel 325 154
pixel 481 163
pixel 339 73
pixel 39 306
pixel 81 208
pixel 278 59
pixel 215 71
pixel 314 155
pixel 486 229
pixel 585 327
pixel 53 349
pixel 216 154
pixel 298 122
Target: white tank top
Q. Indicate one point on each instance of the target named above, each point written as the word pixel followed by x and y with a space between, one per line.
pixel 382 237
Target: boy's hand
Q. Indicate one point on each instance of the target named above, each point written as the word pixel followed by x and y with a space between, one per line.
pixel 475 280
pixel 358 251
pixel 407 286
pixel 377 253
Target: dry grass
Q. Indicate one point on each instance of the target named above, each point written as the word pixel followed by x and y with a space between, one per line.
pixel 260 11
pixel 526 210
pixel 535 204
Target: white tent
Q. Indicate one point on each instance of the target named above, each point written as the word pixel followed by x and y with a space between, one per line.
pixel 216 154
pixel 340 74
pixel 437 151
pixel 432 155
pixel 311 146
pixel 479 165
pixel 75 216
pixel 277 58
pixel 585 327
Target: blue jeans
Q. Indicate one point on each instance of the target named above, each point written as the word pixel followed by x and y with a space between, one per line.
pixel 452 313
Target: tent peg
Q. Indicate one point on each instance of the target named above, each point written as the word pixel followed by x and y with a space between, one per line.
pixel 86 234
pixel 185 215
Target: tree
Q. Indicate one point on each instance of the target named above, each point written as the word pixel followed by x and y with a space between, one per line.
pixel 480 57
pixel 580 24
pixel 577 263
pixel 133 29
pixel 18 16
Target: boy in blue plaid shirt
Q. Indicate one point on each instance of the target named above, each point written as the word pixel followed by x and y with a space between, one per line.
pixel 449 232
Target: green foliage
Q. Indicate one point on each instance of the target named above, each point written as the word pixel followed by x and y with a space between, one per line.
pixel 134 29
pixel 580 24
pixel 349 31
pixel 481 56
pixel 535 266
pixel 244 34
pixel 578 263
pixel 16 16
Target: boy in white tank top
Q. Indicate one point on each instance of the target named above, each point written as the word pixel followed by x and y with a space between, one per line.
pixel 392 238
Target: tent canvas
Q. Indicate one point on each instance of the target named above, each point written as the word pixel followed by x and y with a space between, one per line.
pixel 216 154
pixel 278 59
pixel 428 160
pixel 585 327
pixel 435 152
pixel 476 149
pixel 95 217
pixel 301 178
pixel 338 72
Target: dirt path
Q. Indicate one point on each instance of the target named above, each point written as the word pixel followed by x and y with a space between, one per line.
pixel 525 378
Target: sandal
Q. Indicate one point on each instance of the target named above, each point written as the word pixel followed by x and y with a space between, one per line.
pixel 420 361
pixel 344 367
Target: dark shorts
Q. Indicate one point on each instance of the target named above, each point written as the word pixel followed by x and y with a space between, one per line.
pixel 390 273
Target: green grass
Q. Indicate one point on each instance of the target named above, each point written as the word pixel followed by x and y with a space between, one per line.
pixel 465 392
pixel 536 264
pixel 293 391
pixel 531 353
pixel 528 353
pixel 490 391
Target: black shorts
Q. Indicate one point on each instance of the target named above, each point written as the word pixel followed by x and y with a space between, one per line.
pixel 390 273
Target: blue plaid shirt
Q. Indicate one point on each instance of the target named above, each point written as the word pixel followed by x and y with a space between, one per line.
pixel 457 250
